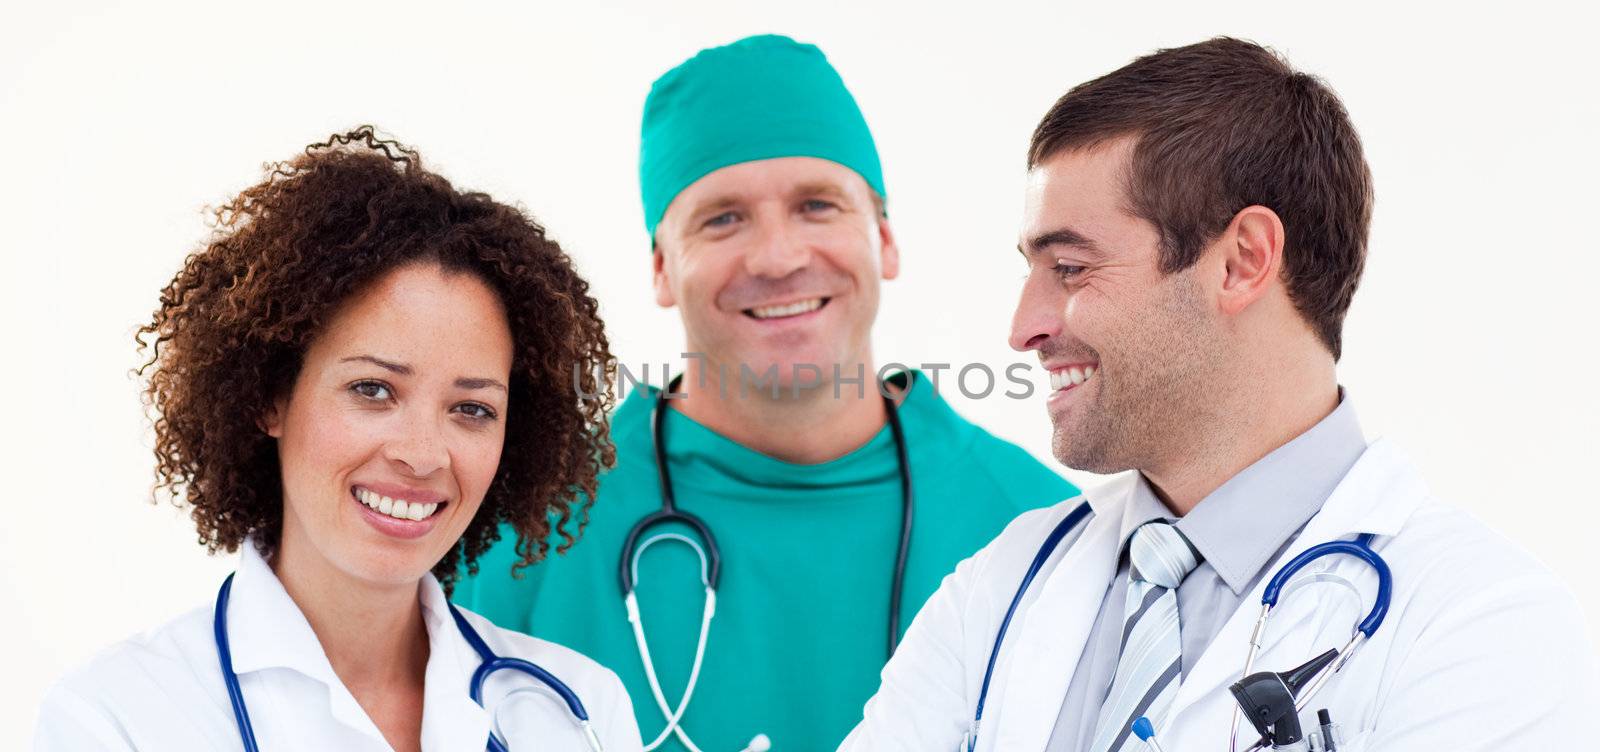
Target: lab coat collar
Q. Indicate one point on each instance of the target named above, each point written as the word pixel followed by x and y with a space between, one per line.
pixel 267 630
pixel 1377 495
pixel 450 713
pixel 1381 491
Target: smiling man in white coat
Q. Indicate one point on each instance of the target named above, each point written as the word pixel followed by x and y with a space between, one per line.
pixel 1195 228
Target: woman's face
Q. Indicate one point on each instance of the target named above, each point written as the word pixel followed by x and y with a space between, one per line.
pixel 393 429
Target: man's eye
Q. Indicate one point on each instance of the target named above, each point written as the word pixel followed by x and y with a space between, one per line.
pixel 722 220
pixel 372 390
pixel 1066 271
pixel 817 205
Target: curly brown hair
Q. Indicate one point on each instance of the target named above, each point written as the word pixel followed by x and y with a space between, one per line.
pixel 230 334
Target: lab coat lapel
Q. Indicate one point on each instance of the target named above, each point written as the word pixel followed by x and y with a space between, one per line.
pixel 267 630
pixel 1378 494
pixel 1048 637
pixel 450 715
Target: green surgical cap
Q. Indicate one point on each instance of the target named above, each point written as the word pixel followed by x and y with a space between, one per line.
pixel 762 97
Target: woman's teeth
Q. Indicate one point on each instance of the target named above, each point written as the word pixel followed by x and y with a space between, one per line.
pixel 399 510
pixel 792 309
pixel 1070 376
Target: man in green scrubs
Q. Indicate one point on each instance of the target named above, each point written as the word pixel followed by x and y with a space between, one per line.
pixel 764 200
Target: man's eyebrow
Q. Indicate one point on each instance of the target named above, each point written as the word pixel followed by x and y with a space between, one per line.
pixel 715 204
pixel 1061 236
pixel 388 365
pixel 466 383
pixel 821 188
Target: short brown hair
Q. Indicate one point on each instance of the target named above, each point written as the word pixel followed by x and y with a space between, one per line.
pixel 232 328
pixel 1222 125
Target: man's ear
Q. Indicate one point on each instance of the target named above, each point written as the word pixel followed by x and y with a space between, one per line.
pixel 1252 258
pixel 658 267
pixel 889 253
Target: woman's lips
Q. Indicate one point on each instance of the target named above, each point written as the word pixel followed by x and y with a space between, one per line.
pixel 397 518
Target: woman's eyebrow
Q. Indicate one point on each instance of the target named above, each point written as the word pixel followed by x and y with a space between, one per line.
pixel 388 365
pixel 463 382
pixel 466 383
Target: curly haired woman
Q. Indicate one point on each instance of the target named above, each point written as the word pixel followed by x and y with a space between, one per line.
pixel 355 382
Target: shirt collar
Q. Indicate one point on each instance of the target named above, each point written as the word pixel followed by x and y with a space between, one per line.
pixel 702 458
pixel 1239 527
pixel 267 630
pixel 1143 506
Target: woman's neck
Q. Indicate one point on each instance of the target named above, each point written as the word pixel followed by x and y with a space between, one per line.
pixel 373 634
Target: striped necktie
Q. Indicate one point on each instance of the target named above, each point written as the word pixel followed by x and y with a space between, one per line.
pixel 1148 661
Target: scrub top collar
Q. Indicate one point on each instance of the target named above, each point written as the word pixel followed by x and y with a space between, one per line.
pixel 1241 525
pixel 267 630
pixel 704 459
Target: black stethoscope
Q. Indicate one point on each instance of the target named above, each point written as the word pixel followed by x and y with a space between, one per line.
pixel 490 664
pixel 711 566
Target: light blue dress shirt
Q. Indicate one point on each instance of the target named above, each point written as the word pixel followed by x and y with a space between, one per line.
pixel 1238 529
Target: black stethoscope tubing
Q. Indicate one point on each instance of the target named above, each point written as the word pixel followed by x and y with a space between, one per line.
pixel 669 512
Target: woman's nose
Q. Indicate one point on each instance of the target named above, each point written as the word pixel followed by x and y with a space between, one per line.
pixel 420 447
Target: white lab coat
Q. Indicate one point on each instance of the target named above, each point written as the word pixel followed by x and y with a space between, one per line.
pixel 1483 649
pixel 164 690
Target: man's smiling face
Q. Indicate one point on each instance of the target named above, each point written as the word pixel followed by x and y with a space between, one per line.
pixel 1130 350
pixel 776 262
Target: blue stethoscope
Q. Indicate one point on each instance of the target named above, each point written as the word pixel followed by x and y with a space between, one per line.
pixel 490 664
pixel 1330 663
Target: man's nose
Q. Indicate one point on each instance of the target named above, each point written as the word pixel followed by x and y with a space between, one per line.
pixel 778 251
pixel 1038 315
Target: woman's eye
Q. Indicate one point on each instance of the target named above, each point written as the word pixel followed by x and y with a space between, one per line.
pixel 476 411
pixel 372 390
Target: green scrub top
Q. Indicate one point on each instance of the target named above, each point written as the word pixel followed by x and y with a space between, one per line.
pixel 807 559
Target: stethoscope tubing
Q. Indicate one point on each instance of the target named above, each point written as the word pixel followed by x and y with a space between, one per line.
pixel 219 630
pixel 711 560
pixel 1361 548
pixel 636 621
pixel 489 664
pixel 1047 549
pixel 669 512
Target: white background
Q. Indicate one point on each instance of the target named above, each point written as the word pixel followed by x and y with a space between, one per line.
pixel 1471 341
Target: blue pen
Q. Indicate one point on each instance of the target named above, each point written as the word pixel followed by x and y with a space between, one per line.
pixel 1146 732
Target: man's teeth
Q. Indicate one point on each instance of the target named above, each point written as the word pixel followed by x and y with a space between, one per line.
pixel 793 309
pixel 399 510
pixel 1070 376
